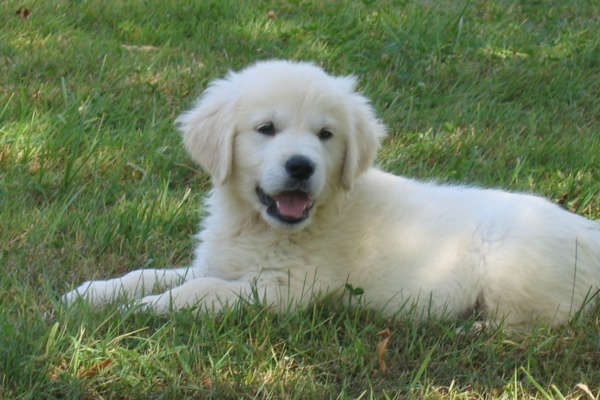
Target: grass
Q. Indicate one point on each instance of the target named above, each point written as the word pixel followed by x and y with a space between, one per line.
pixel 94 182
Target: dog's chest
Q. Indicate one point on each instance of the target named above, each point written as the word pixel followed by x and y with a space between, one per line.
pixel 297 254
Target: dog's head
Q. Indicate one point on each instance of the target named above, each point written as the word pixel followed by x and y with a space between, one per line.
pixel 285 134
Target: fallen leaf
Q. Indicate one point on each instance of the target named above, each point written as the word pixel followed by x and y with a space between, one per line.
pixel 23 12
pixel 208 382
pixel 381 347
pixel 586 389
pixel 94 368
pixel 143 48
pixel 55 373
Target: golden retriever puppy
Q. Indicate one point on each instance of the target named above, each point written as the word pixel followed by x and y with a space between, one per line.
pixel 297 210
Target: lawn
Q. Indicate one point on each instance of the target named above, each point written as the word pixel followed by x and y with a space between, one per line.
pixel 94 182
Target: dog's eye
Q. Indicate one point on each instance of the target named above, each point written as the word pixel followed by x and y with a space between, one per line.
pixel 266 128
pixel 325 134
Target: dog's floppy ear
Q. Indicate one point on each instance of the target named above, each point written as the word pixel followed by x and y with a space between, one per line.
pixel 208 129
pixel 365 137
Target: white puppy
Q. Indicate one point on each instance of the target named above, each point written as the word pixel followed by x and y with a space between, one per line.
pixel 297 210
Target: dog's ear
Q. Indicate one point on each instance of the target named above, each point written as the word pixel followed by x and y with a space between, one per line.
pixel 208 130
pixel 365 136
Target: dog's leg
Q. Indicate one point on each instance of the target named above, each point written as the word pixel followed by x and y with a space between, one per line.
pixel 212 294
pixel 133 285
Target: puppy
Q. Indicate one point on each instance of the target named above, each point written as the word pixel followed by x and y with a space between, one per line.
pixel 297 210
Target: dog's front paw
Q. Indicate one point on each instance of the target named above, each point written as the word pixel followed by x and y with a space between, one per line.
pixel 166 302
pixel 93 292
pixel 80 292
pixel 157 304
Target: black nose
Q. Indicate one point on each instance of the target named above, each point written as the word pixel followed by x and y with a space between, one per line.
pixel 299 167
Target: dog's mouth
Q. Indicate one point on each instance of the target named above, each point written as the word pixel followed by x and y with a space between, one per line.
pixel 290 206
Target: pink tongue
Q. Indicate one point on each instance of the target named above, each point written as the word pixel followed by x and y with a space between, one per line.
pixel 292 204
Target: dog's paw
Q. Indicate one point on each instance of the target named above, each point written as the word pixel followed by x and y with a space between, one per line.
pixel 156 304
pixel 75 294
pixel 93 292
pixel 164 303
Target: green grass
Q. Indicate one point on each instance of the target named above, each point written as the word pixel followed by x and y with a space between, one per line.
pixel 94 182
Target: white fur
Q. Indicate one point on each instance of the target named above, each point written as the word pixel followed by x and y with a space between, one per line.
pixel 447 249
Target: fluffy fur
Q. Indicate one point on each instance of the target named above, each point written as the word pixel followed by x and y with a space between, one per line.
pixel 288 230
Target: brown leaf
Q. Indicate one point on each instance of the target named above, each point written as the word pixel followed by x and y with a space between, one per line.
pixel 381 347
pixel 55 373
pixel 583 387
pixel 144 48
pixel 23 12
pixel 208 382
pixel 94 368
